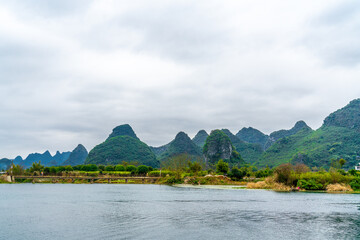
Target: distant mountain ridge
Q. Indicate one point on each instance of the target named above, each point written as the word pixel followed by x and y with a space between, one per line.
pixel 338 137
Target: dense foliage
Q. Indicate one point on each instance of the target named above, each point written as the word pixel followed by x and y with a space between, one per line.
pixel 315 148
pixel 122 148
pixel 347 117
pixel 182 144
pixel 218 146
pixel 200 138
pixel 123 130
pixel 252 135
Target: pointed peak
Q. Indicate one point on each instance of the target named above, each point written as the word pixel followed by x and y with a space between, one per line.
pixel 202 132
pixel 301 124
pixel 47 153
pixel 123 130
pixel 181 135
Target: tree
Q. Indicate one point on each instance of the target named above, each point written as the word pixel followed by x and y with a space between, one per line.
pixel 36 167
pixel 237 174
pixel 283 173
pixel 109 168
pixel 142 169
pixel 16 170
pixel 119 168
pixel 177 164
pixel 342 162
pixel 131 168
pixel 194 167
pixel 222 167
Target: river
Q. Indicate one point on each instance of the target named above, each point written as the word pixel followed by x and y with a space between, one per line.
pixel 128 211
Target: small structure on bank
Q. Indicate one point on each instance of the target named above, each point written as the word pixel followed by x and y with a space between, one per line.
pixel 357 167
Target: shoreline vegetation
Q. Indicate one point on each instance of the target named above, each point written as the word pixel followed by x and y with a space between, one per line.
pixel 184 173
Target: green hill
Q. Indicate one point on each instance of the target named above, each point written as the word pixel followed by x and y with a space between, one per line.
pixel 339 137
pixel 348 116
pixel 274 136
pixel 123 130
pixel 77 156
pixel 252 135
pixel 218 146
pixel 200 138
pixel 180 145
pixel 124 146
pixel 250 152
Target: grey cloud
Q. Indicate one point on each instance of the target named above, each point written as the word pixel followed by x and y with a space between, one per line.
pixel 334 35
pixel 179 31
pixel 227 70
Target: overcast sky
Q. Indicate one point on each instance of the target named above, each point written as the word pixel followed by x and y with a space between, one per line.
pixel 72 70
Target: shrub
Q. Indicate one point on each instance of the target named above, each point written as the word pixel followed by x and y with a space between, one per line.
pixel 237 174
pixel 119 168
pixel 142 169
pixel 310 185
pixel 109 168
pixel 163 173
pixel 101 167
pixel 131 168
pixel 283 173
pixel 173 180
pixel 222 167
pixel 355 184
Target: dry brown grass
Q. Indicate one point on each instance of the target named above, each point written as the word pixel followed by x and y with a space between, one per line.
pixel 269 183
pixel 257 185
pixel 338 187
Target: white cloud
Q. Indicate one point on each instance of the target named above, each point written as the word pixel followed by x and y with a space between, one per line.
pixel 70 71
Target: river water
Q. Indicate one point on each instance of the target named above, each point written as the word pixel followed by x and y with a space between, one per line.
pixel 126 211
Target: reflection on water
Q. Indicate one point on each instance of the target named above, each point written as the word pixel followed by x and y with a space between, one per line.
pixel 35 211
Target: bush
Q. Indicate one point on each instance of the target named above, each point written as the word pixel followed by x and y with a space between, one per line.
pixel 263 173
pixel 119 168
pixel 163 173
pixel 101 167
pixel 173 180
pixel 142 169
pixel 237 174
pixel 222 167
pixel 310 185
pixel 283 173
pixel 355 184
pixel 109 168
pixel 131 168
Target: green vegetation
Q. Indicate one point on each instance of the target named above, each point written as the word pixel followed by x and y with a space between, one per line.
pixel 182 144
pixel 200 138
pixel 315 148
pixel 122 148
pixel 252 135
pixel 222 167
pixel 250 152
pixel 218 146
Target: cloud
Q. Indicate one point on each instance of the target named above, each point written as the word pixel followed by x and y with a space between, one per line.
pixel 334 35
pixel 70 71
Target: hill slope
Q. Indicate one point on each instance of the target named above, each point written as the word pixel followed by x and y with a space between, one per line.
pixel 77 156
pixel 218 146
pixel 180 145
pixel 123 146
pixel 250 152
pixel 339 137
pixel 200 138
